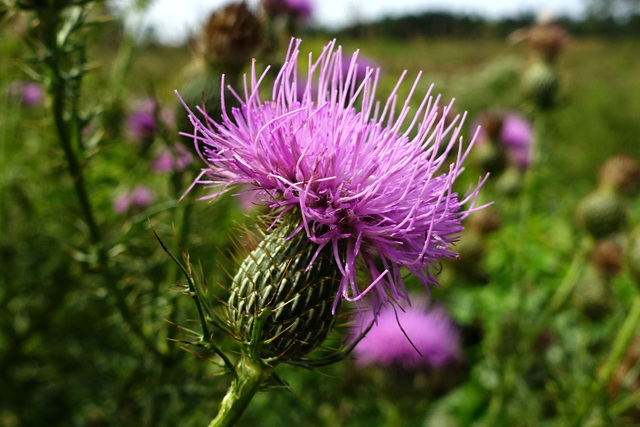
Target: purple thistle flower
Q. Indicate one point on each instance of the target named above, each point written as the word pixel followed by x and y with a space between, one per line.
pixel 296 9
pixel 139 198
pixel 142 197
pixel 300 9
pixel 176 158
pixel 361 71
pixel 410 337
pixel 122 203
pixel 141 122
pixel 358 184
pixel 31 94
pixel 511 131
pixel 517 136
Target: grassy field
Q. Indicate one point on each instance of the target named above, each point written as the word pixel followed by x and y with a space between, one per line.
pixel 87 313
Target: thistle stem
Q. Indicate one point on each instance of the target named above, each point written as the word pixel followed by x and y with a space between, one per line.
pixel 250 375
pixel 620 345
pixel 65 92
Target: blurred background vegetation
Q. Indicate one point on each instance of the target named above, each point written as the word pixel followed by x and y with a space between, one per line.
pixel 89 313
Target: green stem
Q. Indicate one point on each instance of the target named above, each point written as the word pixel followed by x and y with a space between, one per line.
pixel 69 132
pixel 625 404
pixel 59 91
pixel 560 296
pixel 620 345
pixel 250 375
pixel 568 283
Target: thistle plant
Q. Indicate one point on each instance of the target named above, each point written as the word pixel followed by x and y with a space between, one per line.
pixel 359 194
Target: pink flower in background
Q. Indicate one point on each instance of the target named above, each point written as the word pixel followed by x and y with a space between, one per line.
pixel 296 9
pixel 142 122
pixel 142 197
pixel 359 73
pixel 31 94
pixel 431 338
pixel 138 199
pixel 512 131
pixel 517 136
pixel 175 158
pixel 122 203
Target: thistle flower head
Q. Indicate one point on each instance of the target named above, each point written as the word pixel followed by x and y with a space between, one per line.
pixel 367 183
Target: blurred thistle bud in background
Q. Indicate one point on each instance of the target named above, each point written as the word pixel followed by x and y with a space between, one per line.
pixel 546 39
pixel 601 213
pixel 225 46
pixel 230 37
pixel 622 174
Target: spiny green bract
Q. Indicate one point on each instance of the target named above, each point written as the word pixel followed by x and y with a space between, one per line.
pixel 274 285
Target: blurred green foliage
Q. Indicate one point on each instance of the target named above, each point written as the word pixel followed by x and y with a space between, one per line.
pixel 68 355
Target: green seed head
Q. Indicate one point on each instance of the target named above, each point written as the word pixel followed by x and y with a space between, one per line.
pixel 490 157
pixel 592 296
pixel 540 83
pixel 601 213
pixel 280 308
pixel 510 182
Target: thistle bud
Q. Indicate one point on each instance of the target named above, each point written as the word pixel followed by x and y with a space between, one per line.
pixel 541 83
pixel 490 157
pixel 484 221
pixel 281 303
pixel 601 213
pixel 622 174
pixel 230 36
pixel 607 256
pixel 510 182
pixel 547 39
pixel 592 296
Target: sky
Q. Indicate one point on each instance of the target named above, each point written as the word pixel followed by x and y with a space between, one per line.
pixel 175 20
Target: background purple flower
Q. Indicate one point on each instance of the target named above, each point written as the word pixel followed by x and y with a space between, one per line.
pixel 142 122
pixel 430 330
pixel 142 197
pixel 360 72
pixel 31 94
pixel 358 185
pixel 511 131
pixel 122 203
pixel 517 136
pixel 175 158
pixel 139 198
pixel 296 9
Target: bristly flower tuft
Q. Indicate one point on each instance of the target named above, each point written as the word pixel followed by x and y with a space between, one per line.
pixel 372 185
